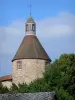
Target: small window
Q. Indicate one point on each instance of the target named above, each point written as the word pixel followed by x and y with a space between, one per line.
pixel 19 65
pixel 33 27
pixel 30 27
pixel 27 27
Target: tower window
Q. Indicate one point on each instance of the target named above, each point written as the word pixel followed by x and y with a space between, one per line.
pixel 33 27
pixel 26 27
pixel 19 65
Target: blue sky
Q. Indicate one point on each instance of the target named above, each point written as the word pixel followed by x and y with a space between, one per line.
pixel 55 21
pixel 16 9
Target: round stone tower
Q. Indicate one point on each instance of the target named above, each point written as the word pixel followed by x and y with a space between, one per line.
pixel 31 58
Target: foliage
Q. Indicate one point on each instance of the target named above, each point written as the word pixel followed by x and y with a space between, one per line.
pixel 63 94
pixel 14 88
pixel 59 77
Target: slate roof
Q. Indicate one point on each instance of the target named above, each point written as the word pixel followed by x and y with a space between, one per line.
pixel 31 48
pixel 30 20
pixel 6 78
pixel 29 96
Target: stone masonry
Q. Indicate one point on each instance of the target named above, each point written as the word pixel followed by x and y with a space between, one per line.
pixel 31 69
pixel 7 84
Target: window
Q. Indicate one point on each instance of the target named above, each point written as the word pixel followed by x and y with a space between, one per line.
pixel 26 27
pixel 33 27
pixel 30 27
pixel 19 65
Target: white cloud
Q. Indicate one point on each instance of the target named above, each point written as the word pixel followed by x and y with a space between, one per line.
pixel 63 24
pixel 59 26
pixel 56 34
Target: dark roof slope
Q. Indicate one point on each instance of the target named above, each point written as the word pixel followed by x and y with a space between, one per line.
pixel 6 78
pixel 30 20
pixel 31 48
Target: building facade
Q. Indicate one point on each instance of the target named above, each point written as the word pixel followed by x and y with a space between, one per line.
pixel 31 58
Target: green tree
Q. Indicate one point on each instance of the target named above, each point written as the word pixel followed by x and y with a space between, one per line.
pixel 59 77
pixel 14 88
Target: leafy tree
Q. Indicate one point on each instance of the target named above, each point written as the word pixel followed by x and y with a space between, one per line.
pixel 14 88
pixel 23 88
pixel 59 77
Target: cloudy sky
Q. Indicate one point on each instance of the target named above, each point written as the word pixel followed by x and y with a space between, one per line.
pixel 55 21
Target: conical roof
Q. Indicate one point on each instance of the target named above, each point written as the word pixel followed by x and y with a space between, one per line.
pixel 31 48
pixel 30 20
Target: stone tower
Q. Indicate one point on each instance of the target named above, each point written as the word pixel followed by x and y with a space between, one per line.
pixel 31 58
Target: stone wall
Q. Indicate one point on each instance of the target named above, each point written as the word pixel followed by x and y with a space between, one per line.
pixel 31 69
pixel 29 96
pixel 8 84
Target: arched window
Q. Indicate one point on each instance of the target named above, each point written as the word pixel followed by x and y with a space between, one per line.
pixel 19 65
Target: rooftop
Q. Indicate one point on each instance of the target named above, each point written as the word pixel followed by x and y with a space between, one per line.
pixel 30 20
pixel 31 48
pixel 6 78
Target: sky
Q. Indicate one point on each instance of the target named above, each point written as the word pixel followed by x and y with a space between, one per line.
pixel 55 21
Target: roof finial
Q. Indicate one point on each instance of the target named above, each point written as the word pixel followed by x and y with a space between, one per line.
pixel 30 7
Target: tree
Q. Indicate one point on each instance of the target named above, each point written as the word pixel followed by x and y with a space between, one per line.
pixel 59 77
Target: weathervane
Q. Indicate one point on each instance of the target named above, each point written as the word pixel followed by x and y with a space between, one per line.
pixel 30 7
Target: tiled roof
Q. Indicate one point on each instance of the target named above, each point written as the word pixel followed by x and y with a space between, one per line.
pixel 31 48
pixel 6 78
pixel 29 96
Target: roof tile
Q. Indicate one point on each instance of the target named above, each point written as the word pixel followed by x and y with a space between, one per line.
pixel 6 78
pixel 31 48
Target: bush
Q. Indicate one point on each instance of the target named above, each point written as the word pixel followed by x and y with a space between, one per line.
pixel 3 89
pixel 59 77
